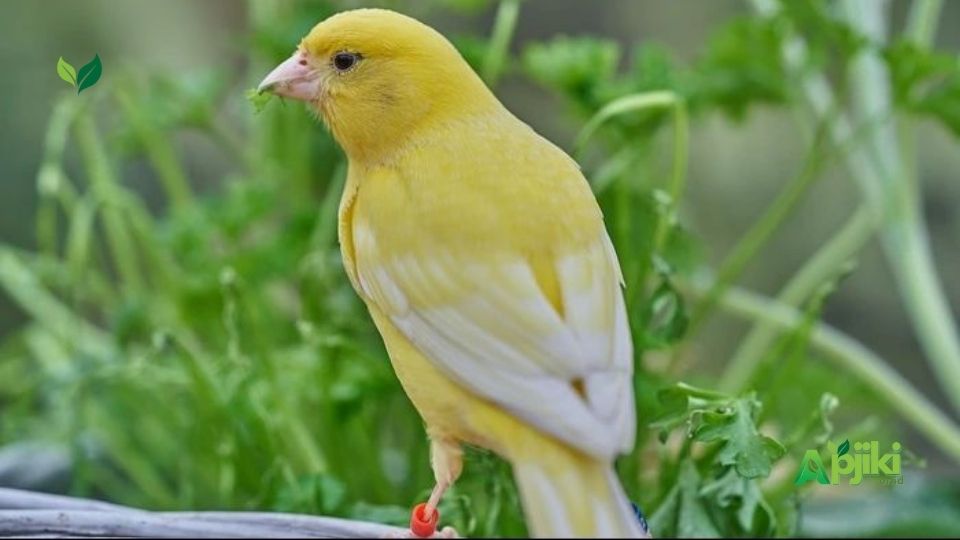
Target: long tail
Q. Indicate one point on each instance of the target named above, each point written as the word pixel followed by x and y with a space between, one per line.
pixel 568 494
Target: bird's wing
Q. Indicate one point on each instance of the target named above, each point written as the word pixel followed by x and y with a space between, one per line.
pixel 564 367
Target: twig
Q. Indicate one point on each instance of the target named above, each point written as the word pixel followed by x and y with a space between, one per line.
pixel 25 513
pixel 503 28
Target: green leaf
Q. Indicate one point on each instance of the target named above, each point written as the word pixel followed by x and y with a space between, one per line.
pixel 830 39
pixel 926 83
pixel 66 71
pixel 653 68
pixel 665 316
pixel 259 100
pixel 683 512
pixel 572 65
pixel 744 447
pixel 843 448
pixel 741 67
pixel 732 492
pixel 89 74
pixel 681 403
pixel 472 48
pixel 713 417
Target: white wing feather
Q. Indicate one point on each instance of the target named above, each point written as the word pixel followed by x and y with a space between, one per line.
pixel 490 327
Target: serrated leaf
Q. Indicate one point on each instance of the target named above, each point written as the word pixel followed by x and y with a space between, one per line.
pixel 572 65
pixel 843 448
pixel 89 74
pixel 732 492
pixel 926 82
pixel 66 71
pixel 683 512
pixel 713 417
pixel 742 67
pixel 830 38
pixel 684 403
pixel 744 447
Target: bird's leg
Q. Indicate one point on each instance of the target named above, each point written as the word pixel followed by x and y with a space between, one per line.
pixel 435 496
pixel 446 459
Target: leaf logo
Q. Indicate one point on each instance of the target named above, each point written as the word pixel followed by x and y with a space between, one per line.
pixel 843 448
pixel 66 71
pixel 88 75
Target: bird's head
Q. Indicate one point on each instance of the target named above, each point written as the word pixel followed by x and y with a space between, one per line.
pixel 377 77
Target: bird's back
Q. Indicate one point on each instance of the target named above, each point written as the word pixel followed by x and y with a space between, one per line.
pixel 489 185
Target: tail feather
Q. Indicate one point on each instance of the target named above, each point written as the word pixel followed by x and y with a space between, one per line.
pixel 567 494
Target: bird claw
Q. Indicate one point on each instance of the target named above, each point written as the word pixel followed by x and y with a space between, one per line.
pixel 447 532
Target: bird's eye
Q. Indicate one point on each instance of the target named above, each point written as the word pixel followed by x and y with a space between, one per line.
pixel 344 60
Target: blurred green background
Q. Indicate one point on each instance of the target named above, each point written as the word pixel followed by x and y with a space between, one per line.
pixel 176 331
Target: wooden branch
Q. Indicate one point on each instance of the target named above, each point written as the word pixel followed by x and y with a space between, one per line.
pixel 26 513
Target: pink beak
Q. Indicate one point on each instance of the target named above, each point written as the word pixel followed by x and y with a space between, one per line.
pixel 294 78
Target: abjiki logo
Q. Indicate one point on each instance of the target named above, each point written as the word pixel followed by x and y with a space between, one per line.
pixel 864 461
pixel 88 75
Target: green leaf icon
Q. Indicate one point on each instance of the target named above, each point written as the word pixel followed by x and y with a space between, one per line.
pixel 66 71
pixel 843 448
pixel 89 74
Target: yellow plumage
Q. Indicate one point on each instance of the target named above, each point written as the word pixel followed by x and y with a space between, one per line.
pixel 481 254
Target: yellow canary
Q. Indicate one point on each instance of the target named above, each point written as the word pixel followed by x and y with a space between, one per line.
pixel 482 257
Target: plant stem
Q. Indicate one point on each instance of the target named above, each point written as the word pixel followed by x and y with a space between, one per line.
pixel 854 357
pixel 922 21
pixel 926 301
pixel 681 135
pixel 280 143
pixel 51 181
pixel 503 27
pixel 160 152
pixel 761 231
pixel 104 185
pixel 840 249
pixel 21 283
pixel 904 235
pixel 817 97
pixel 879 170
pixel 678 180
pixel 655 100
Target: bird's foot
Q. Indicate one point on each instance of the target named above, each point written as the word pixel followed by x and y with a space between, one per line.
pixel 423 524
pixel 446 532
